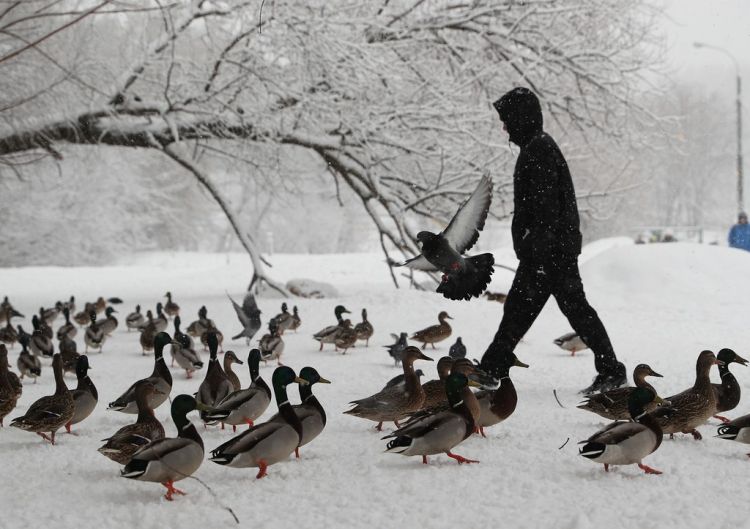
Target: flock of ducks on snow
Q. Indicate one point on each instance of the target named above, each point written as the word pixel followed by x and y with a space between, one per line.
pixel 431 418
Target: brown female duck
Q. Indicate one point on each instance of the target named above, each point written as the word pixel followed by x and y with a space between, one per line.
pixel 229 359
pixel 434 333
pixel 728 392
pixel 613 404
pixel 216 385
pixel 8 394
pixel 170 307
pixel 364 329
pixel 434 390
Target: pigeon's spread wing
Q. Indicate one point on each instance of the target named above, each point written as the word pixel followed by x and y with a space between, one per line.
pixel 244 320
pixel 463 231
pixel 249 306
pixel 419 263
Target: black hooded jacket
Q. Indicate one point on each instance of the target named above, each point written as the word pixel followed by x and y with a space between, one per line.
pixel 545 219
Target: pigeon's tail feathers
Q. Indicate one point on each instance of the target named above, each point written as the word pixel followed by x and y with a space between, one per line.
pixel 471 281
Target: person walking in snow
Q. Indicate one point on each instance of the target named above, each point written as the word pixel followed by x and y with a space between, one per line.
pixel 739 234
pixel 547 241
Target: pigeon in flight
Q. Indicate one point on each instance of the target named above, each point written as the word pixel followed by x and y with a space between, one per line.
pixel 249 316
pixel 463 277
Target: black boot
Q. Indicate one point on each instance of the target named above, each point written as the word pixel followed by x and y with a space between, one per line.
pixel 607 380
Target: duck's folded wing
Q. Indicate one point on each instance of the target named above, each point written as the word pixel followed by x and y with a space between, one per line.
pixel 617 432
pixel 159 449
pixel 248 439
pixel 236 399
pixel 424 425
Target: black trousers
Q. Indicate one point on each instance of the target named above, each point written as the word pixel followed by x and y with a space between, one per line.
pixel 532 287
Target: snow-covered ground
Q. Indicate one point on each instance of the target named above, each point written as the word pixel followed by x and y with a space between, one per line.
pixel 662 304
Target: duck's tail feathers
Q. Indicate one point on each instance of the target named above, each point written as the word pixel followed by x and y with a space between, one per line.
pixel 399 445
pixel 592 450
pixel 470 282
pixel 728 431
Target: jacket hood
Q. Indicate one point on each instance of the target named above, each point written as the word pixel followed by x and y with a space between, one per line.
pixel 521 112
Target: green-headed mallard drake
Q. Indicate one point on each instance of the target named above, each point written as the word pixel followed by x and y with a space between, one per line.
pixel 171 459
pixel 211 329
pixel 69 352
pixel 346 337
pixel 109 323
pixel 283 319
pixel 170 307
pixel 364 329
pixel 695 405
pixel 182 351
pixel 85 395
pixel 434 390
pixel 94 336
pixel 161 320
pixel 50 413
pixel 28 364
pixel 148 333
pixel 8 393
pixel 40 344
pixel 271 345
pixel 245 405
pixel 216 385
pixel 310 412
pixel 229 359
pixel 270 442
pixel 160 377
pixel 394 403
pixel 67 329
pixel 434 333
pixel 199 326
pixel 613 404
pixel 296 320
pixel 496 405
pixel 126 441
pixel 328 334
pixel 440 432
pixel 627 443
pixel 728 392
pixel 8 334
pixel 135 319
pixel 570 342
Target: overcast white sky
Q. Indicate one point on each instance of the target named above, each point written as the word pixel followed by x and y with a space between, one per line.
pixel 724 23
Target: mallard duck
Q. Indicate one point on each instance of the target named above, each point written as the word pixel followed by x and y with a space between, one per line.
pixel 27 363
pixel 50 413
pixel 328 334
pixel 435 333
pixel 394 403
pixel 40 324
pixel 283 319
pixel 434 390
pixel 695 405
pixel 310 412
pixel 160 377
pixel 23 335
pixel 70 305
pixel 438 432
pixel 728 392
pixel 271 345
pixel 82 318
pixel 229 359
pixel 8 393
pixel 171 459
pixel 464 367
pixel 627 443
pixel 161 320
pixel 216 385
pixel 108 324
pixel 49 315
pixel 199 326
pixel 100 305
pixel 613 404
pixel 69 352
pixel 85 396
pixel 135 319
pixel 126 441
pixel 364 329
pixel 40 344
pixel 148 333
pixel 170 307
pixel 296 320
pixel 67 329
pixel 346 337
pixel 182 351
pixel 7 309
pixel 570 342
pixel 270 442
pixel 211 329
pixel 249 316
pixel 398 380
pixel 395 350
pixel 498 404
pixel 8 334
pixel 736 430
pixel 457 350
pixel 245 405
pixel 94 336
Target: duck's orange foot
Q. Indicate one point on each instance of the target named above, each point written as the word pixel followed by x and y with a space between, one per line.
pixel 721 418
pixel 47 437
pixel 461 459
pixel 379 427
pixel 172 490
pixel 696 434
pixel 648 470
pixel 424 460
pixel 262 466
pixel 296 452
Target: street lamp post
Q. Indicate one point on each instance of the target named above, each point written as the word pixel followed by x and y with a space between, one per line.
pixel 740 187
